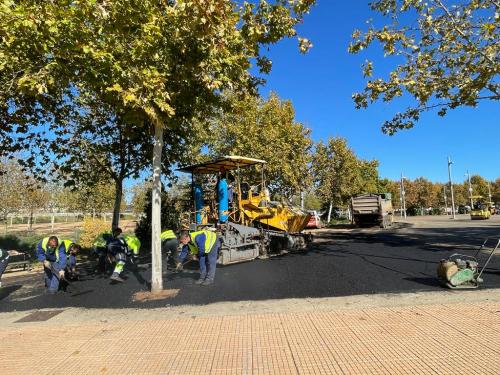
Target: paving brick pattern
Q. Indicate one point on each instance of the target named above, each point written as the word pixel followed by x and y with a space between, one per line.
pixel 436 339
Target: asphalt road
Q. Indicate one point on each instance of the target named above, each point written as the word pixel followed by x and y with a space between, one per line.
pixel 339 263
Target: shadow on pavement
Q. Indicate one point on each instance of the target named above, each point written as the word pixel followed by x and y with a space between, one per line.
pixel 7 290
pixel 342 263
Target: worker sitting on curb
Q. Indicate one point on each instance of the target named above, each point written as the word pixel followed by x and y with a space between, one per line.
pixel 51 253
pixel 169 243
pixel 71 250
pixel 4 261
pixel 100 249
pixel 205 245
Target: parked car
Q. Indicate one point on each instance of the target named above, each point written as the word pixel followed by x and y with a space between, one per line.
pixel 314 221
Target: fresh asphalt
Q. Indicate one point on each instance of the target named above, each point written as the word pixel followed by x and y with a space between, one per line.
pixel 339 263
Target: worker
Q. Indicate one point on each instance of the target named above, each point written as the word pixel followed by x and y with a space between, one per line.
pixel 51 253
pixel 71 250
pixel 205 245
pixel 119 247
pixel 4 261
pixel 100 249
pixel 133 245
pixel 222 196
pixel 169 243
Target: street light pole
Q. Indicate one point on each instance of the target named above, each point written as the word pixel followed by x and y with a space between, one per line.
pixel 445 200
pixel 470 190
pixel 403 193
pixel 451 187
pixel 400 199
pixel 489 192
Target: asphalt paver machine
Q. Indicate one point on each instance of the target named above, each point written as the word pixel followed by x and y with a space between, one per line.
pixel 460 271
pixel 249 224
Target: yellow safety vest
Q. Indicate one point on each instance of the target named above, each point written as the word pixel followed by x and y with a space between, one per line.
pixel 100 241
pixel 46 249
pixel 133 243
pixel 210 238
pixel 167 235
pixel 67 244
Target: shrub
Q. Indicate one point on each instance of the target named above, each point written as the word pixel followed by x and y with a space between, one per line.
pixel 170 215
pixel 91 228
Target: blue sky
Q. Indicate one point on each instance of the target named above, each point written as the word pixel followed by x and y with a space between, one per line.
pixel 320 85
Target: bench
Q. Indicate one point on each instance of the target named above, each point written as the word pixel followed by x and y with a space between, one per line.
pixel 18 259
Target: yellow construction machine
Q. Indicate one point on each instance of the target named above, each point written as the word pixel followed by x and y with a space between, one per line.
pixel 248 222
pixel 481 209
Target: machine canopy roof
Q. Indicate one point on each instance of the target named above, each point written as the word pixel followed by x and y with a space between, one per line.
pixel 229 163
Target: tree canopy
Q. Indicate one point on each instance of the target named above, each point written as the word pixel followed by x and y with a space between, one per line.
pixel 339 173
pixel 265 129
pixel 448 55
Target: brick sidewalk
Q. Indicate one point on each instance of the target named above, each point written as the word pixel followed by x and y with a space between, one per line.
pixel 436 339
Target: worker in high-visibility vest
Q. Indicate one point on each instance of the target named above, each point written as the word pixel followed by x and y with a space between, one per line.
pixel 51 253
pixel 99 247
pixel 4 261
pixel 205 245
pixel 119 247
pixel 71 249
pixel 169 244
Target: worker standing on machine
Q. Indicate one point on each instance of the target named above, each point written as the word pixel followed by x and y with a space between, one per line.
pixel 205 245
pixel 51 253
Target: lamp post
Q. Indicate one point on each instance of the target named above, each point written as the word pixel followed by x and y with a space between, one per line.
pixel 403 193
pixel 451 187
pixel 470 189
pixel 445 200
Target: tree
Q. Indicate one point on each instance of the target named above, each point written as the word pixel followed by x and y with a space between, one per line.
pixel 449 53
pixel 140 196
pixel 12 181
pixel 35 197
pixel 495 191
pixel 265 129
pixel 479 186
pixel 339 174
pixel 421 194
pixel 104 145
pixel 162 62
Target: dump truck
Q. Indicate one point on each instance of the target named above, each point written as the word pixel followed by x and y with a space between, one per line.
pixel 249 224
pixel 372 209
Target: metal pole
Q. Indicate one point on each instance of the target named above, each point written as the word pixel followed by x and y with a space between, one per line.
pixel 489 193
pixel 470 191
pixel 445 200
pixel 400 199
pixel 403 193
pixel 451 187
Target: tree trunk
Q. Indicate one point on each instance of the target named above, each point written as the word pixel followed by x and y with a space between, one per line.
pixel 118 204
pixel 330 212
pixel 52 219
pixel 156 269
pixel 30 221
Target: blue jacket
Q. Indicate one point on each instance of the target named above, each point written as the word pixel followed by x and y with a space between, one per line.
pixel 200 243
pixel 51 257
